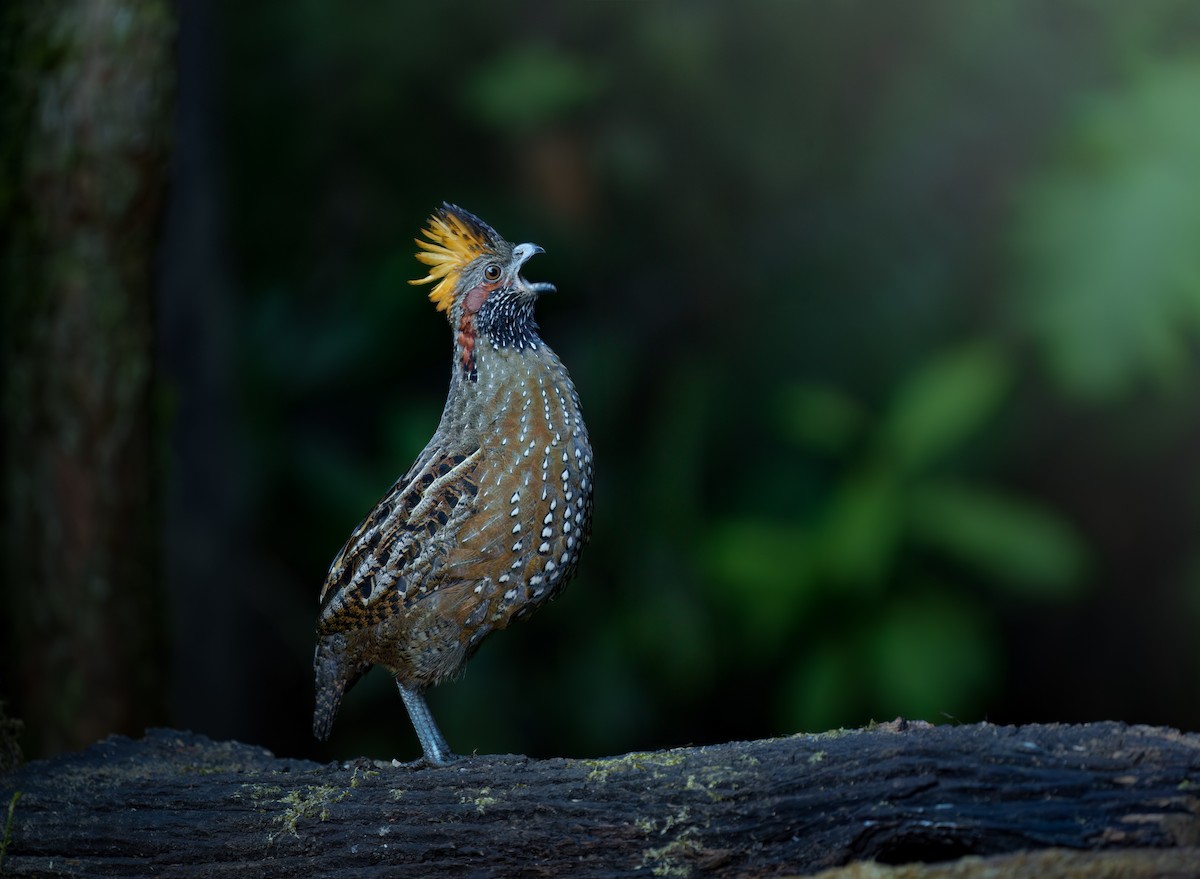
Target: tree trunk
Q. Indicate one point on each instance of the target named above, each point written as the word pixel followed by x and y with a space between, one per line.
pixel 177 804
pixel 86 103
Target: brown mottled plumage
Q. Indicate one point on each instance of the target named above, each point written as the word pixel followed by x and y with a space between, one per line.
pixel 489 522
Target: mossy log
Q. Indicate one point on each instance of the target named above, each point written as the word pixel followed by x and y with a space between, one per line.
pixel 178 804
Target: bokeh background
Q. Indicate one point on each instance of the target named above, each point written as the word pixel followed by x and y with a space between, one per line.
pixel 883 315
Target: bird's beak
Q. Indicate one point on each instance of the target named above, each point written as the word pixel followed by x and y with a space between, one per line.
pixel 521 254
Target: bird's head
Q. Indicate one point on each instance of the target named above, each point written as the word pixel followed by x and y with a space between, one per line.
pixel 472 268
pixel 479 285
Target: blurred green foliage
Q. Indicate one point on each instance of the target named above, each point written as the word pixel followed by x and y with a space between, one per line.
pixel 857 298
pixel 531 86
pixel 892 548
pixel 1107 262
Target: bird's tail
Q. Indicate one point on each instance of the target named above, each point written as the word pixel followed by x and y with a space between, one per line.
pixel 333 679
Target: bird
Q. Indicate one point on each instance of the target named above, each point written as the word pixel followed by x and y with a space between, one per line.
pixel 488 523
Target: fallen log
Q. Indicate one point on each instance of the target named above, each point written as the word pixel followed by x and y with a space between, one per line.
pixel 179 804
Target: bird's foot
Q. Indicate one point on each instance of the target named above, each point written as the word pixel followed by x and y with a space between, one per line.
pixel 424 762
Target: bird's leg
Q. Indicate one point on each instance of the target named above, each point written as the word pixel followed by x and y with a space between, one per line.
pixel 433 743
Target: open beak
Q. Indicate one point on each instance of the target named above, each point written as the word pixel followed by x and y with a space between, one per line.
pixel 521 254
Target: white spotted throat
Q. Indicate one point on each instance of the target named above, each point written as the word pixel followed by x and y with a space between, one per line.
pixel 489 522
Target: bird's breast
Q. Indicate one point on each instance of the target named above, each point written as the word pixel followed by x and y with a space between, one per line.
pixel 535 489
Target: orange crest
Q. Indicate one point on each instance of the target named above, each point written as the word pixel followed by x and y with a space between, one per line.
pixel 456 237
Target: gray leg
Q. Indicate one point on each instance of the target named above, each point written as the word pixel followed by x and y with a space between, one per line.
pixel 433 743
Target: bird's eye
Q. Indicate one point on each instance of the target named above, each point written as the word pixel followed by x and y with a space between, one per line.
pixel 492 272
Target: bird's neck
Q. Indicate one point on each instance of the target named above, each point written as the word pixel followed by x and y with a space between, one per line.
pixel 505 323
pixel 503 378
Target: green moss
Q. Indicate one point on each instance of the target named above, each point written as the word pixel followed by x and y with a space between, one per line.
pixel 676 857
pixel 263 792
pixel 482 801
pixel 636 761
pixel 707 787
pixel 310 802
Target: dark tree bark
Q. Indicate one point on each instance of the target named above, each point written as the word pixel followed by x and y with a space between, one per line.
pixel 176 804
pixel 86 96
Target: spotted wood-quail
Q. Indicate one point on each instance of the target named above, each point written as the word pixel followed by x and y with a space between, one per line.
pixel 489 522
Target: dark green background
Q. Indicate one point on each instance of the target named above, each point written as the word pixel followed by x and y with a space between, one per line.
pixel 883 316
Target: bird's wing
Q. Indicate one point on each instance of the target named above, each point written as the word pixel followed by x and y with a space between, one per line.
pixel 385 560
